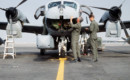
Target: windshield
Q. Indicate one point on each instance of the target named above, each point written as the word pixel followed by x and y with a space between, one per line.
pixel 70 4
pixel 54 4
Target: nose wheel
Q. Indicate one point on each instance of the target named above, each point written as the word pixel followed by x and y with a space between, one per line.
pixel 42 51
pixel 62 54
pixel 62 47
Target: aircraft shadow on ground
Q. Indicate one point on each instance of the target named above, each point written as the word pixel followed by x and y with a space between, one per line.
pixel 51 55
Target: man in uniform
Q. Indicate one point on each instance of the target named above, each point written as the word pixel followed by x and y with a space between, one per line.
pixel 75 38
pixel 93 37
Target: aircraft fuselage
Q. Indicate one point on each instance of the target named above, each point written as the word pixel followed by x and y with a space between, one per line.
pixel 57 16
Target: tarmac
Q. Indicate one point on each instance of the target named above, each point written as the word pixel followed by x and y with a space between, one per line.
pixel 113 64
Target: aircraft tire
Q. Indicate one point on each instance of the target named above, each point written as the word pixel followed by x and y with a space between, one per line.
pixel 68 46
pixel 62 53
pixel 42 51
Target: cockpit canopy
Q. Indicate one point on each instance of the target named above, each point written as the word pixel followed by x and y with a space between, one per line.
pixel 54 4
pixel 70 4
pixel 65 3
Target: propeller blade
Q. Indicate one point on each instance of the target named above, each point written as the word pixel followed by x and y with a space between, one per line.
pixel 3 9
pixel 123 26
pixel 100 8
pixel 20 3
pixel 124 38
pixel 122 4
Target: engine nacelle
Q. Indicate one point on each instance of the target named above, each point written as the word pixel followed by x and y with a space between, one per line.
pixel 113 14
pixel 113 29
pixel 45 42
pixel 21 17
pixel 16 29
pixel 105 17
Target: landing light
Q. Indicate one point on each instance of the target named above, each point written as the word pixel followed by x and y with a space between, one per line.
pixel 61 11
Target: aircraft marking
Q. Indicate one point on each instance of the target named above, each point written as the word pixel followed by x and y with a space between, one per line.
pixel 60 73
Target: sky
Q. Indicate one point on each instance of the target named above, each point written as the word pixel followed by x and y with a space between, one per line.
pixel 30 6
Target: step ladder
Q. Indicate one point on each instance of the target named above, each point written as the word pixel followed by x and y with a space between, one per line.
pixel 9 47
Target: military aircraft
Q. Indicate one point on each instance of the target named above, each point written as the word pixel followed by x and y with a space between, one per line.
pixel 55 31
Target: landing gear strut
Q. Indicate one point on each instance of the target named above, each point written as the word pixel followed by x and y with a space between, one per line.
pixel 62 47
pixel 42 51
pixel 82 42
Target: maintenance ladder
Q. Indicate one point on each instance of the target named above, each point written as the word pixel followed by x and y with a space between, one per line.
pixel 9 47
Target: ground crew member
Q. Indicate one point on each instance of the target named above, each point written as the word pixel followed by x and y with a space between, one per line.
pixel 75 38
pixel 93 37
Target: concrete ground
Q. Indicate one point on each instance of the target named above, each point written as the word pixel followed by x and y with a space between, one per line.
pixel 113 64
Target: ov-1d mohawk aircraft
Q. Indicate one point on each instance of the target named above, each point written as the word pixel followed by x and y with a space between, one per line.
pixel 55 31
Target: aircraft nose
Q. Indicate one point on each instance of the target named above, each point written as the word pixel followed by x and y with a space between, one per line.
pixel 61 8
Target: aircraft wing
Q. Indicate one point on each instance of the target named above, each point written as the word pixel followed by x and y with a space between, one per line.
pixel 26 28
pixel 38 29
pixel 102 26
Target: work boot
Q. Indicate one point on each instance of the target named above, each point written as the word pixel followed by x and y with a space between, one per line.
pixel 74 61
pixel 96 60
pixel 79 59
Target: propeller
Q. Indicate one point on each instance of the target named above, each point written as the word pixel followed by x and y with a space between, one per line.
pixel 127 39
pixel 115 12
pixel 3 9
pixel 21 3
pixel 12 11
pixel 106 9
pixel 122 4
pixel 123 26
pixel 101 8
pixel 12 14
pixel 14 7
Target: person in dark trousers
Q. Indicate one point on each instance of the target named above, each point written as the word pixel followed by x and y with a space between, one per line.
pixel 75 38
pixel 93 37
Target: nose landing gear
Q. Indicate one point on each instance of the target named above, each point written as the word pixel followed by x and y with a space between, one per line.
pixel 62 47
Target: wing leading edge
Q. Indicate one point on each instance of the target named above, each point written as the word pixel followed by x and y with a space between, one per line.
pixel 37 29
pixel 102 26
